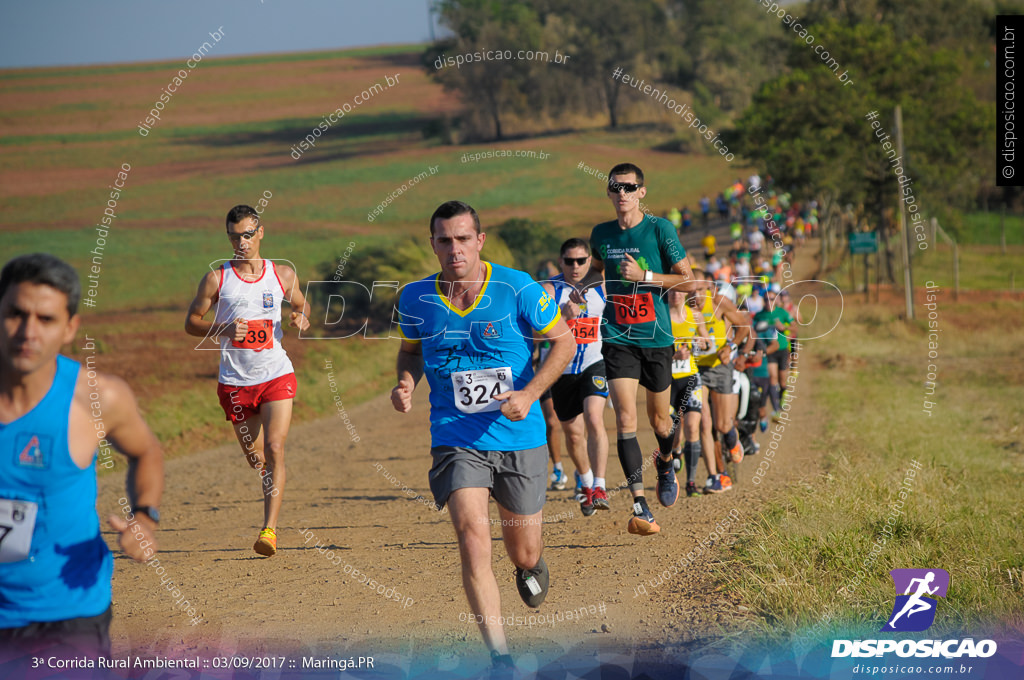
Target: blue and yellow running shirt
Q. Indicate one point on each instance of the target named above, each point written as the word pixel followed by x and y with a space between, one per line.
pixel 471 355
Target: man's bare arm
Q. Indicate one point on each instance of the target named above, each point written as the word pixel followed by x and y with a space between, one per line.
pixel 563 347
pixel 409 367
pixel 130 435
pixel 293 295
pixel 203 302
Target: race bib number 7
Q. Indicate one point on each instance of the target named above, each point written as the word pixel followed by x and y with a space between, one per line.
pixel 630 309
pixel 475 390
pixel 17 522
pixel 259 336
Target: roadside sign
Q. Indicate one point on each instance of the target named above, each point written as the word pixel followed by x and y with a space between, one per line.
pixel 863 243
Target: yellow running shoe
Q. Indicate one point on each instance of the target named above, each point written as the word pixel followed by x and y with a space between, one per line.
pixel 266 544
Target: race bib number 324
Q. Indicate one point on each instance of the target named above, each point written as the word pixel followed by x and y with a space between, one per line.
pixel 475 390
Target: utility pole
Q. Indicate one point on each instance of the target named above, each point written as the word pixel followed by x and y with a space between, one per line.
pixel 908 277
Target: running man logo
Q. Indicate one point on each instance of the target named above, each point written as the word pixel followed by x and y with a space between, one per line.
pixel 32 453
pixel 914 611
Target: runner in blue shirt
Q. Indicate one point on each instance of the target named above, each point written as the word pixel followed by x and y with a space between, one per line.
pixel 469 329
pixel 55 568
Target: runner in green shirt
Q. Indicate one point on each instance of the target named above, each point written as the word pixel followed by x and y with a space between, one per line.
pixel 641 258
pixel 778 362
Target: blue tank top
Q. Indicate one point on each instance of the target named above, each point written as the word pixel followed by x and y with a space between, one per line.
pixel 58 566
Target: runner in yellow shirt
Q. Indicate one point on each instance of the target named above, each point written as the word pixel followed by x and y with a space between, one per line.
pixel 688 329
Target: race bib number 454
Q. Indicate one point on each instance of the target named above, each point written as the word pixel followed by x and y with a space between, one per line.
pixel 17 522
pixel 475 390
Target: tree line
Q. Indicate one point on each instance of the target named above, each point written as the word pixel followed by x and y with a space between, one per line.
pixel 751 73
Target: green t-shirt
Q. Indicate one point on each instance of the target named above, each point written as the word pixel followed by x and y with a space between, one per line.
pixel 773 315
pixel 654 244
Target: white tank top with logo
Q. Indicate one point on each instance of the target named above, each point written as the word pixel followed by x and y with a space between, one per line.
pixel 586 328
pixel 260 357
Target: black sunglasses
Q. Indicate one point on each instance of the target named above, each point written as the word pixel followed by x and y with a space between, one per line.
pixel 615 187
pixel 244 235
pixel 569 261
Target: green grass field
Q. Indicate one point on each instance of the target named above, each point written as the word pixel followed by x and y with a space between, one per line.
pixel 963 514
pixel 982 267
pixel 798 564
pixel 203 157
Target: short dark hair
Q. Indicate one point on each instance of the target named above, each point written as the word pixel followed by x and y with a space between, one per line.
pixel 239 213
pixel 43 269
pixel 574 243
pixel 450 209
pixel 624 168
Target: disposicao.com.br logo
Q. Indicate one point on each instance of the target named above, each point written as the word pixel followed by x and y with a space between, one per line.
pixel 914 611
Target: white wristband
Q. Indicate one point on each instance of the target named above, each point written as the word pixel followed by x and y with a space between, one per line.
pixel 648 275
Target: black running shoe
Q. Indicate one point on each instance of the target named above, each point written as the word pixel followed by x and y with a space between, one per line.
pixel 587 502
pixel 533 584
pixel 502 667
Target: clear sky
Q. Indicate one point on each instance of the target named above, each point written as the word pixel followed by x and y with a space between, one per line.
pixel 67 32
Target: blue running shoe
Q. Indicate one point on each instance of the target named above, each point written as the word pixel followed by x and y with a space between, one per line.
pixel 557 480
pixel 668 487
pixel 642 522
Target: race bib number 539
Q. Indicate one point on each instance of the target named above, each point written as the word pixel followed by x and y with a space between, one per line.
pixel 475 390
pixel 259 335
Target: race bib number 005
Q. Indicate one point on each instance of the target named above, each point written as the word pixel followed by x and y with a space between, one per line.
pixel 475 390
pixel 17 522
pixel 630 309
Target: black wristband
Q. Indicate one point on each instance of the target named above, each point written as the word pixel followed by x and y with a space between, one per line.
pixel 149 512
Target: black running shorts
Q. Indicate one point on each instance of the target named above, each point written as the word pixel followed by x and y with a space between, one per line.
pixel 780 357
pixel 570 391
pixel 652 366
pixel 687 395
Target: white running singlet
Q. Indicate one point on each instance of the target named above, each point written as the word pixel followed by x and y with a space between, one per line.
pixel 260 357
pixel 586 328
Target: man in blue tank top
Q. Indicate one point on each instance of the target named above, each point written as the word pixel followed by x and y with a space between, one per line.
pixel 469 329
pixel 55 569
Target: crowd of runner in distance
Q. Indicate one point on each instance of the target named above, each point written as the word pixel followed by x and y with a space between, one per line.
pixel 718 397
pixel 627 308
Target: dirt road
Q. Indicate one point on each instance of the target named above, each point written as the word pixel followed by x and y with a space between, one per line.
pixel 361 507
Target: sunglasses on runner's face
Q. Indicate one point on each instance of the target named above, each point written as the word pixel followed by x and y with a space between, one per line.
pixel 616 187
pixel 247 235
pixel 570 261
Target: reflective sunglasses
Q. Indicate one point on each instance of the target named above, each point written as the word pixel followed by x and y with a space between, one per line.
pixel 569 261
pixel 247 235
pixel 616 187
